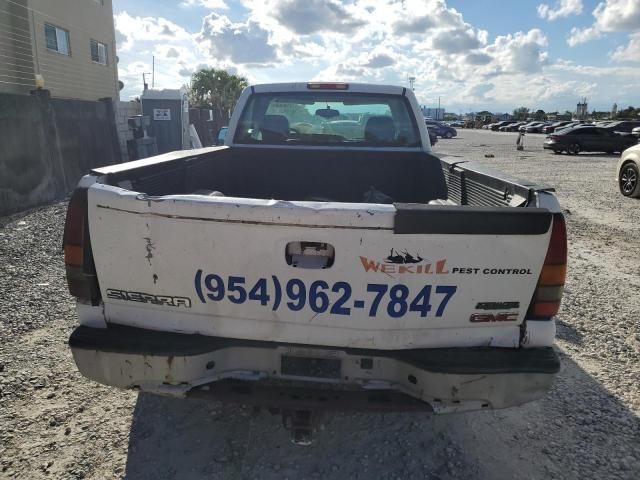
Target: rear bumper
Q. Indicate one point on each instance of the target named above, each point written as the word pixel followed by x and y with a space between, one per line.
pixel 276 375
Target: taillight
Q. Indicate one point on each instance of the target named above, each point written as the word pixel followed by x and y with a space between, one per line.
pixel 548 294
pixel 327 86
pixel 78 257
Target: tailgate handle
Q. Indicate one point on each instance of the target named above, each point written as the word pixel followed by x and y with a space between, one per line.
pixel 314 255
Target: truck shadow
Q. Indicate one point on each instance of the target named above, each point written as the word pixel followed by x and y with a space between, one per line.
pixel 552 438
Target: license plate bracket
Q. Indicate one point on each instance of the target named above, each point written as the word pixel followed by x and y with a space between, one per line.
pixel 313 367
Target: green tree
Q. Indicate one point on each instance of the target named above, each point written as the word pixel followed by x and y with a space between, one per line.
pixel 540 115
pixel 629 112
pixel 521 113
pixel 218 90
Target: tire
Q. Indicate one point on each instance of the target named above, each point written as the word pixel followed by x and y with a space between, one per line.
pixel 448 135
pixel 574 149
pixel 629 180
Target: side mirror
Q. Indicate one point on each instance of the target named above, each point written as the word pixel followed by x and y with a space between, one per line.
pixel 222 133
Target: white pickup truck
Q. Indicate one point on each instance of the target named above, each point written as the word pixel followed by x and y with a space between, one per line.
pixel 322 259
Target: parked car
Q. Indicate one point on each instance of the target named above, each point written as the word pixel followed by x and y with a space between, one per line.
pixel 535 127
pixel 441 130
pixel 457 123
pixel 552 128
pixel 576 123
pixel 523 128
pixel 511 127
pixel 588 138
pixel 624 126
pixel 222 133
pixel 636 132
pixel 629 172
pixel 433 137
pixel 496 126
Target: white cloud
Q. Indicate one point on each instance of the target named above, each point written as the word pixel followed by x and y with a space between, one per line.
pixel 455 40
pixel 211 4
pixel 134 29
pixel 618 16
pixel 478 58
pixel 582 35
pixel 610 16
pixel 238 43
pixel 305 17
pixel 519 52
pixel 381 41
pixel 630 52
pixel 380 60
pixel 480 90
pixel 563 8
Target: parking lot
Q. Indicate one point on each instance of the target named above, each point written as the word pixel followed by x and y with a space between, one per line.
pixel 54 423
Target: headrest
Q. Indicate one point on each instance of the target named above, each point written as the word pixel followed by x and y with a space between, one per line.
pixel 275 128
pixel 380 129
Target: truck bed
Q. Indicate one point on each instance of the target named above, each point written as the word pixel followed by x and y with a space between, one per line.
pixel 160 237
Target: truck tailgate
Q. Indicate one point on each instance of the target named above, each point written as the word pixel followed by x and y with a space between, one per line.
pixel 226 267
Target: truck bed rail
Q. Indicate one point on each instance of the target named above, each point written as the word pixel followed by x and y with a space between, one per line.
pixel 469 183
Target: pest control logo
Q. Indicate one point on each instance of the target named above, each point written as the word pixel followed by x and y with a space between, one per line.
pixel 404 257
pixel 403 261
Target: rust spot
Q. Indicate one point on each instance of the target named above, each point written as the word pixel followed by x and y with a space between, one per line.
pixel 150 248
pixel 155 278
pixel 170 360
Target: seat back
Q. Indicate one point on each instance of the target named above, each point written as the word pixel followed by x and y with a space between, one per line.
pixel 380 129
pixel 275 128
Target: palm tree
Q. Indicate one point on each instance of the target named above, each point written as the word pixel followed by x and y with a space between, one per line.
pixel 218 90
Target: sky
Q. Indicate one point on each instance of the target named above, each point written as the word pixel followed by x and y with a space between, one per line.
pixel 473 55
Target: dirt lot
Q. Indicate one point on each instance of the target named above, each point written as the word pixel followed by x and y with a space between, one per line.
pixel 56 424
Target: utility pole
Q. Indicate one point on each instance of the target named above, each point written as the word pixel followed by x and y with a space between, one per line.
pixel 153 71
pixel 439 109
pixel 144 81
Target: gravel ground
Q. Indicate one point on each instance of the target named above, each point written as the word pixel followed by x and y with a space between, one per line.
pixel 56 424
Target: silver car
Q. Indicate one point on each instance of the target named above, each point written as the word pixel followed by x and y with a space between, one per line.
pixel 629 172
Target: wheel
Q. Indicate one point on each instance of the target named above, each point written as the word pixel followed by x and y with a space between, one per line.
pixel 448 135
pixel 574 149
pixel 629 180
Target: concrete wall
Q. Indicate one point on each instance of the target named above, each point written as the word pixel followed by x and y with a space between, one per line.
pixel 124 110
pixel 48 144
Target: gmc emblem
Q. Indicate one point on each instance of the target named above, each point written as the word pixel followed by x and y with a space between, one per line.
pixel 493 317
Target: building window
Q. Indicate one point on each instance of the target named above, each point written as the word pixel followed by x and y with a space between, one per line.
pixel 57 39
pixel 98 52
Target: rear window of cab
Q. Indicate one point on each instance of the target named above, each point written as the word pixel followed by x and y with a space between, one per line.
pixel 327 118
